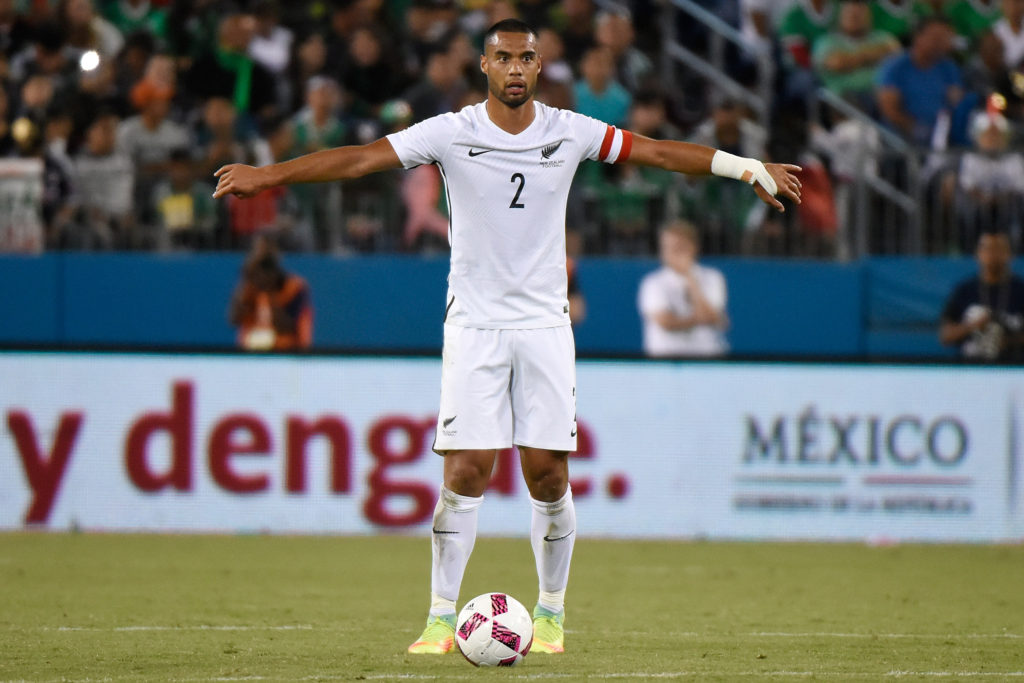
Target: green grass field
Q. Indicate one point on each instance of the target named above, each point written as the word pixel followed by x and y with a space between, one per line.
pixel 265 608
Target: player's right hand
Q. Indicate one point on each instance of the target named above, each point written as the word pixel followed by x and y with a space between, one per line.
pixel 238 179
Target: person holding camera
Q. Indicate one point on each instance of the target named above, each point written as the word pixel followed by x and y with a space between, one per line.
pixel 984 314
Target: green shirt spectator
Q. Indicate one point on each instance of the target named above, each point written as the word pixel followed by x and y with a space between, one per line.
pixel 972 18
pixel 130 16
pixel 898 17
pixel 802 25
pixel 846 60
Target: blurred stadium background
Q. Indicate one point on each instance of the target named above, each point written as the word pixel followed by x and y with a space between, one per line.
pixel 837 415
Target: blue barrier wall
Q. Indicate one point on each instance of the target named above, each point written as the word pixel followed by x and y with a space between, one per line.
pixel 878 307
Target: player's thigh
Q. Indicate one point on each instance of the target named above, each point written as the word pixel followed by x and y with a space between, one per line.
pixel 544 388
pixel 475 411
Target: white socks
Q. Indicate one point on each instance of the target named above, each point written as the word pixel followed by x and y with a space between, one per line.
pixel 553 534
pixel 454 534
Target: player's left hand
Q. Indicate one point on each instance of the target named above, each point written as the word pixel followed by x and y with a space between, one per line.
pixel 789 185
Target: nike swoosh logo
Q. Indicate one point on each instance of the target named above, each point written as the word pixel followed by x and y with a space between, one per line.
pixel 445 423
pixel 475 153
pixel 560 538
pixel 441 531
pixel 573 433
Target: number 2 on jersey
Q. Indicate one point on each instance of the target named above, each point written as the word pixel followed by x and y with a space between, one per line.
pixel 521 179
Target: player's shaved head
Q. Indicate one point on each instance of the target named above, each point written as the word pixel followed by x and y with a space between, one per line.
pixel 508 26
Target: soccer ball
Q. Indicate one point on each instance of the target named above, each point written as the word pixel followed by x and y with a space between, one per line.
pixel 494 629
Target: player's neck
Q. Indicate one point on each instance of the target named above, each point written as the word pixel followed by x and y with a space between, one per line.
pixel 512 120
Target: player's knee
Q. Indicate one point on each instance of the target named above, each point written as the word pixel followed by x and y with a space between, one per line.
pixel 548 484
pixel 467 477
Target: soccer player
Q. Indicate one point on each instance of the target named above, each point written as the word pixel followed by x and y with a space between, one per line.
pixel 508 362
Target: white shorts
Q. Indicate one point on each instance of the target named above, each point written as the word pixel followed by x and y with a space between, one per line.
pixel 501 388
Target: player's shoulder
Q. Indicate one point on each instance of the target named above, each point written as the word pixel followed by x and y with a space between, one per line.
pixel 566 117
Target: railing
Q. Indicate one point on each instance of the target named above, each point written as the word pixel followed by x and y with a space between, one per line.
pixel 880 188
pixel 713 67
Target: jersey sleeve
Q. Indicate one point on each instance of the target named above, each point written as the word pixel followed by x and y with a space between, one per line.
pixel 601 141
pixel 424 142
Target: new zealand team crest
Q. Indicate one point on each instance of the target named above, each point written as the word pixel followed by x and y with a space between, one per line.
pixel 549 151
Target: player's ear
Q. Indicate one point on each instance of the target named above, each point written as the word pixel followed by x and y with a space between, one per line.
pixel 483 63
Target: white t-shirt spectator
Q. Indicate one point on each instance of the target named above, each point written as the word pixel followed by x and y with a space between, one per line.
pixel 666 290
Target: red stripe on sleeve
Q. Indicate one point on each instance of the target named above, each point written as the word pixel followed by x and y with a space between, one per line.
pixel 606 144
pixel 627 147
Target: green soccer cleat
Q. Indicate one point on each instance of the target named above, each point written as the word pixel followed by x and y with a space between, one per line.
pixel 438 638
pixel 548 633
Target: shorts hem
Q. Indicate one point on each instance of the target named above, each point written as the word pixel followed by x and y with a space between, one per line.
pixel 571 447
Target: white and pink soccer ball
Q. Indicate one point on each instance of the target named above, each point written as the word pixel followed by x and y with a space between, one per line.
pixel 494 629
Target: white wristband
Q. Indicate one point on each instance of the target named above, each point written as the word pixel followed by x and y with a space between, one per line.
pixel 742 168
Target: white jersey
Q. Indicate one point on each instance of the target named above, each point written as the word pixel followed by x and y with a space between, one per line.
pixel 506 200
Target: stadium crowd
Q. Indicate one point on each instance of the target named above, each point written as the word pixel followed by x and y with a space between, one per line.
pixel 132 104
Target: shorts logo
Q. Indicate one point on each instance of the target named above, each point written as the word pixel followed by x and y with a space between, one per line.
pixel 447 421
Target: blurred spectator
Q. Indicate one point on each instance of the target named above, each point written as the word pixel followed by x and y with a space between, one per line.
pixel 757 22
pixel 726 214
pixel 183 206
pixel 105 178
pixel 228 71
pixel 801 26
pixel 426 208
pixel 577 302
pixel 985 72
pixel 574 21
pixel 440 89
pixel 271 44
pixel 848 58
pixel 149 137
pixel 990 189
pixel 271 47
pixel 221 142
pixel 36 97
pixel 15 31
pixel 274 212
pixel 1010 29
pixel 984 314
pixel 555 84
pixel 682 303
pixel 309 61
pixel 916 85
pixel 899 17
pixel 973 18
pixel 317 127
pixel 271 307
pixel 342 24
pixel 427 22
pixel 130 65
pixel 85 30
pixel 614 30
pixel 368 75
pixel 60 201
pixel 193 26
pixel 7 145
pixel 597 93
pixel 137 16
pixel 48 56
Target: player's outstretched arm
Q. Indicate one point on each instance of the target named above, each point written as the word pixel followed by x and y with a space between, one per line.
pixel 340 163
pixel 685 157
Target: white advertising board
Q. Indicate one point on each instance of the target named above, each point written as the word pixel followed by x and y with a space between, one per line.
pixel 667 450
